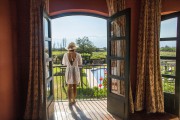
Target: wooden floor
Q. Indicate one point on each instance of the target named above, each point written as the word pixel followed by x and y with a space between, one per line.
pixel 83 110
pixel 97 110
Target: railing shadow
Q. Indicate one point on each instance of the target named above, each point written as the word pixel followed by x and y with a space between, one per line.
pixel 81 114
pixel 65 91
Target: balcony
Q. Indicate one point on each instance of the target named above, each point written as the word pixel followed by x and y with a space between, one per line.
pixel 91 101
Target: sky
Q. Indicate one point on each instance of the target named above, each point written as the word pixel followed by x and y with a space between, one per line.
pixel 73 27
pixel 168 29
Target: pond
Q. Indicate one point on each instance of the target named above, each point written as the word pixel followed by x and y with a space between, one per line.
pixel 99 74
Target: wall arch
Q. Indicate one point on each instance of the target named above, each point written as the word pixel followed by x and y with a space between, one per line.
pixel 78 13
pixel 170 6
pixel 91 7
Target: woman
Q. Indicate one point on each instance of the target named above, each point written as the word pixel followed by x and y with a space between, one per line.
pixel 72 60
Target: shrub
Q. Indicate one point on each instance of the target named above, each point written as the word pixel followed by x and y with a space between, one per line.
pixel 100 93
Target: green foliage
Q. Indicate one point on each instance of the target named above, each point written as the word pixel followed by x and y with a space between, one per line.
pixel 94 92
pixel 168 49
pixel 85 45
pixel 57 56
pixel 105 81
pixel 99 55
pixel 85 92
pixel 168 86
pixel 100 93
pixel 58 52
pixel 85 56
pixel 60 56
pixel 168 67
pixel 104 49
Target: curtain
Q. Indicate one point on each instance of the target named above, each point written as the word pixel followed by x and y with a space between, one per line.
pixel 115 5
pixel 149 93
pixel 118 49
pixel 46 6
pixel 34 103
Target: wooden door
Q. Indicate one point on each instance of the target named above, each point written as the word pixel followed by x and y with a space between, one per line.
pixel 170 61
pixel 118 57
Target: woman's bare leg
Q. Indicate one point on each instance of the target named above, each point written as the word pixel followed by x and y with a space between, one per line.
pixel 70 92
pixel 74 92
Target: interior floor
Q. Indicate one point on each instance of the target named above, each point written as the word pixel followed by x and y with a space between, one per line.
pixel 82 110
pixel 97 110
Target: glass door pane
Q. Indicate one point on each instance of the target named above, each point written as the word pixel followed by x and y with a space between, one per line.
pixel 118 63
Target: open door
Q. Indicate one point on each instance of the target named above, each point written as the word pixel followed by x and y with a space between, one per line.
pixel 118 63
pixel 170 61
pixel 48 77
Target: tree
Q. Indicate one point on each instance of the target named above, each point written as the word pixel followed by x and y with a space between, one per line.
pixel 168 49
pixel 54 46
pixel 58 45
pixel 64 43
pixel 105 49
pixel 85 45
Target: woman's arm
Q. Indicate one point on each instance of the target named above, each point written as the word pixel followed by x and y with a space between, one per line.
pixel 64 59
pixel 80 60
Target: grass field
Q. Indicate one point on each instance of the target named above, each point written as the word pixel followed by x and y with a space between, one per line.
pixel 104 54
pixel 58 52
pixel 169 54
pixel 95 55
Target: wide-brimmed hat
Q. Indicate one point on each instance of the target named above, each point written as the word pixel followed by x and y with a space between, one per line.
pixel 71 46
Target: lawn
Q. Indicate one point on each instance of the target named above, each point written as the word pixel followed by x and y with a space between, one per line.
pixel 58 52
pixel 95 55
pixel 169 54
pixel 99 55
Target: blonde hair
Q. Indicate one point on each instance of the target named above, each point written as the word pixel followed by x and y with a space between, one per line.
pixel 71 46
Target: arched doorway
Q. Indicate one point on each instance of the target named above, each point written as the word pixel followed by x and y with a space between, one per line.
pixel 116 41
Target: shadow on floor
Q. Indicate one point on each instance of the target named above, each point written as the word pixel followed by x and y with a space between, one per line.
pixel 79 114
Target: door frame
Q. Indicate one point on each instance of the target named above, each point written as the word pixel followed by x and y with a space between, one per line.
pixel 48 101
pixel 175 98
pixel 107 19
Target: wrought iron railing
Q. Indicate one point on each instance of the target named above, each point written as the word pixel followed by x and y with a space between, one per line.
pixel 93 83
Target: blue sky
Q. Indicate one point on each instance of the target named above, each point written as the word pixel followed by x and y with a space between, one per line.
pixel 73 27
pixel 168 29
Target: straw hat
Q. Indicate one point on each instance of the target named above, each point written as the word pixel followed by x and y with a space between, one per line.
pixel 71 46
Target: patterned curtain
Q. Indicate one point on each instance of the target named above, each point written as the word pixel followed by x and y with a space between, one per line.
pixel 149 93
pixel 46 6
pixel 118 67
pixel 34 103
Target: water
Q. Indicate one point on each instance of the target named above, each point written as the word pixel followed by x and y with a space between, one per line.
pixel 99 74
